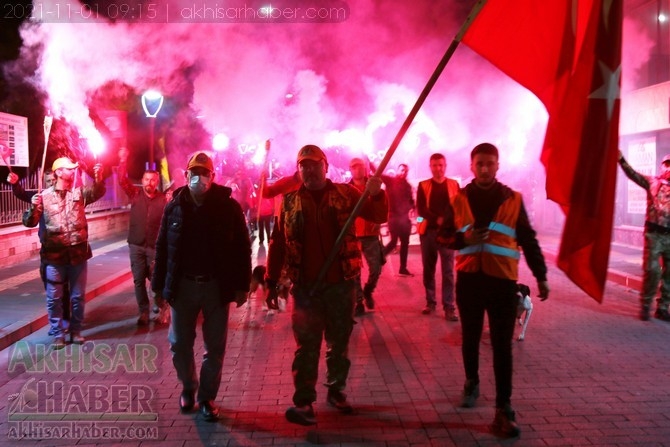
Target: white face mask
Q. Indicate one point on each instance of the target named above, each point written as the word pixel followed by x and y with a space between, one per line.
pixel 199 184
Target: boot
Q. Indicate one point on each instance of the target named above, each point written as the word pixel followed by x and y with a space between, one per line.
pixel 367 296
pixel 359 309
pixel 504 424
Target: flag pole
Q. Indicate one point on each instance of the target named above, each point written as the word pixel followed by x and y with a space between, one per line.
pixel 47 130
pixel 264 175
pixel 398 138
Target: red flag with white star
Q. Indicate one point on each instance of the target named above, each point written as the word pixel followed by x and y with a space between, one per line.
pixel 568 53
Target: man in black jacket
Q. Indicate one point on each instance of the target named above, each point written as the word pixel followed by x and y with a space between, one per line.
pixel 203 263
pixel 401 202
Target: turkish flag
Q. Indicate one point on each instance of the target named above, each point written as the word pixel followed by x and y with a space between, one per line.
pixel 568 53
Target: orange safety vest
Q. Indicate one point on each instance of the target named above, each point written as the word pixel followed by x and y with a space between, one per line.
pixel 499 255
pixel 427 185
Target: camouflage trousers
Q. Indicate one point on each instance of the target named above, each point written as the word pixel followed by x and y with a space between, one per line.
pixel 327 314
pixel 655 269
pixel 371 248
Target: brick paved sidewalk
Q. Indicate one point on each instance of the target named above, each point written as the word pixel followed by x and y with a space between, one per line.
pixel 587 375
pixel 22 297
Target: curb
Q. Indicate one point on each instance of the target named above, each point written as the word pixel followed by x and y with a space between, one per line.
pixel 615 276
pixel 624 279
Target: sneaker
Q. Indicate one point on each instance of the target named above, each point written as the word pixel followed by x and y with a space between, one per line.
pixel 404 272
pixel 77 338
pixel 662 314
pixel 450 315
pixel 59 343
pixel 470 394
pixel 338 400
pixel 504 423
pixel 428 310
pixel 143 319
pixel 644 313
pixel 359 309
pixel 302 415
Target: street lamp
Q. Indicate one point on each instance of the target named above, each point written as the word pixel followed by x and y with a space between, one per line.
pixel 152 101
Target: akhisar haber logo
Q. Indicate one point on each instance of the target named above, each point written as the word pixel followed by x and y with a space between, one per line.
pixel 43 400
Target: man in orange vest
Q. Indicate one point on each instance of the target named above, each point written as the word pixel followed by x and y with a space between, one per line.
pixel 433 204
pixel 489 224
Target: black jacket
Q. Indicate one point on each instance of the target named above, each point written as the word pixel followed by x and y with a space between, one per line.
pixel 231 248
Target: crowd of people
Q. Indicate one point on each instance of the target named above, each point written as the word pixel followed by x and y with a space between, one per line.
pixel 193 247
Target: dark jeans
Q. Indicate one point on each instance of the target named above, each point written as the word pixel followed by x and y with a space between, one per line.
pixel 56 277
pixel 191 299
pixel 66 292
pixel 141 264
pixel 265 226
pixel 477 293
pixel 400 228
pixel 429 251
pixel 329 314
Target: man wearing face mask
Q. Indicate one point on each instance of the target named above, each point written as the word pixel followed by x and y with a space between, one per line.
pixel 656 238
pixel 203 263
pixel 26 196
pixel 65 249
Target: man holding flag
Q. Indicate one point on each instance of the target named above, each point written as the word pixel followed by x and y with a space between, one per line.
pixel 568 54
pixel 489 225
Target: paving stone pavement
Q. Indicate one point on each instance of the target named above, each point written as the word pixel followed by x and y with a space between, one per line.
pixel 588 374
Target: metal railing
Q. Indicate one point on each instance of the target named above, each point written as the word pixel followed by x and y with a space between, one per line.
pixel 11 208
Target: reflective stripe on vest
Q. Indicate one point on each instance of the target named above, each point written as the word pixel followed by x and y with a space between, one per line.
pixel 489 248
pixel 499 255
pixel 495 226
